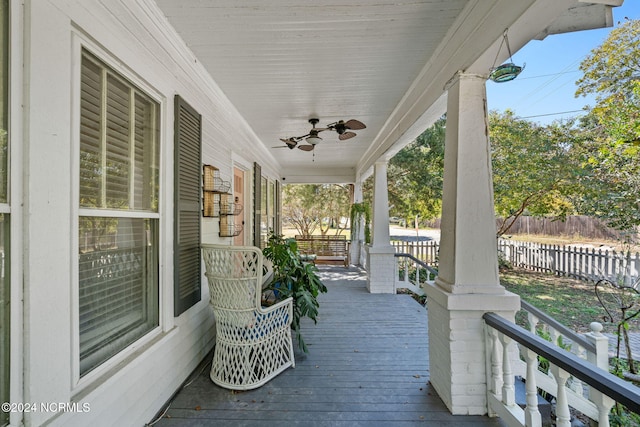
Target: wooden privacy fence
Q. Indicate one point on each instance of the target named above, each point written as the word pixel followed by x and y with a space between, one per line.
pixel 582 263
pixel 573 225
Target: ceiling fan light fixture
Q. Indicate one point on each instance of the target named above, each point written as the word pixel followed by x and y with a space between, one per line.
pixel 314 139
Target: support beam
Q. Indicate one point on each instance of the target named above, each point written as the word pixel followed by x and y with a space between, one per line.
pixel 380 259
pixel 468 283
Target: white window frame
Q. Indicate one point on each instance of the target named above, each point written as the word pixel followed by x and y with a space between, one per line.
pixel 239 162
pixel 80 42
pixel 13 206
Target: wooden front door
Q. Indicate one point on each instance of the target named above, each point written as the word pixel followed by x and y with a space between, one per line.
pixel 238 197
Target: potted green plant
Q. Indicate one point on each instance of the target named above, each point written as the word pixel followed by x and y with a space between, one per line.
pixel 293 278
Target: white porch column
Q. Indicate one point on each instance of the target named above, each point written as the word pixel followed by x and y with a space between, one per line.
pixel 380 261
pixel 357 233
pixel 467 285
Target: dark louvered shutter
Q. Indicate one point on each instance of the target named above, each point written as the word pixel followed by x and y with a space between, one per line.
pixel 187 141
pixel 257 203
pixel 278 207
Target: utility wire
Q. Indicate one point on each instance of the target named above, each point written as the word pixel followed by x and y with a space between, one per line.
pixel 548 75
pixel 552 114
pixel 537 91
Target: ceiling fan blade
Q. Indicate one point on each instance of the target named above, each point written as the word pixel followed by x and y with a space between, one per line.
pixel 284 146
pixel 291 142
pixel 346 135
pixel 306 147
pixel 354 124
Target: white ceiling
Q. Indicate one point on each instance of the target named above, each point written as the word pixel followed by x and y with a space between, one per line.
pixel 382 62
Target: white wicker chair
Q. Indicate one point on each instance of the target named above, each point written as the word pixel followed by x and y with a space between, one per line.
pixel 253 344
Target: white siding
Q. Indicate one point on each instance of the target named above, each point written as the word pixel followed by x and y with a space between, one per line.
pixel 133 38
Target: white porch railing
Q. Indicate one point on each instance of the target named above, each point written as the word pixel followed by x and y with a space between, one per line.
pixel 411 273
pixel 574 381
pixel 577 372
pixel 426 251
pixel 582 263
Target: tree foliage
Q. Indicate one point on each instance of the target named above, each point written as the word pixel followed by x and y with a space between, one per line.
pixel 612 73
pixel 309 207
pixel 534 171
pixel 415 175
pixel 614 65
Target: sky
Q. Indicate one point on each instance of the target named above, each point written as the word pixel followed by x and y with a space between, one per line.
pixel 547 86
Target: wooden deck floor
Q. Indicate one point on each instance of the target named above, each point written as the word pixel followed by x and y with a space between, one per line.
pixel 367 365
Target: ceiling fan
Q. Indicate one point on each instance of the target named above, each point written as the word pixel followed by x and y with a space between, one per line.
pixel 341 127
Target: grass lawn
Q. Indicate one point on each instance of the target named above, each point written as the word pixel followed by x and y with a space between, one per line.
pixel 571 302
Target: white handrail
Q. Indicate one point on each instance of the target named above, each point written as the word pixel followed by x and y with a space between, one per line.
pixel 605 388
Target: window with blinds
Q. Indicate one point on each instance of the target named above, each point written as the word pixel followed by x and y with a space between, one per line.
pixel 118 216
pixel 5 294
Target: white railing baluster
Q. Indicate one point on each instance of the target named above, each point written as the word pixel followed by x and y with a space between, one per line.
pixel 563 416
pixel 406 271
pixel 533 322
pixel 532 415
pixel 555 336
pixel 576 383
pixel 396 275
pixel 604 404
pixel 508 380
pixel 495 383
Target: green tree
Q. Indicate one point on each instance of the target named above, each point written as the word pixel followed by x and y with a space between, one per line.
pixel 612 73
pixel 309 207
pixel 534 169
pixel 415 175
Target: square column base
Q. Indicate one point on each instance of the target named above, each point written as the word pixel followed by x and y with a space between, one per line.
pixel 381 270
pixel 457 354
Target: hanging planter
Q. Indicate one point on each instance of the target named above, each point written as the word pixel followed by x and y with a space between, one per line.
pixel 505 72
